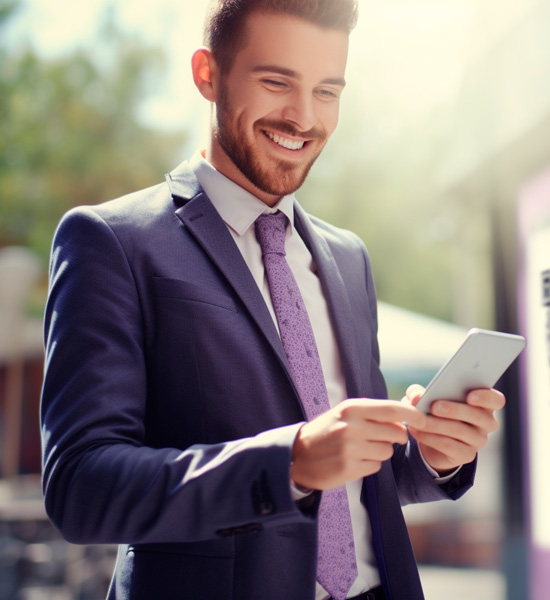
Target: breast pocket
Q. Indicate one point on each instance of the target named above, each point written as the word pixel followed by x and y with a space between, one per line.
pixel 178 289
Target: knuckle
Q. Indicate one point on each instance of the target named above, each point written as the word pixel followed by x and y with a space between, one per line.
pixel 483 442
pixel 346 409
pixel 493 425
pixel 395 411
pixel 344 433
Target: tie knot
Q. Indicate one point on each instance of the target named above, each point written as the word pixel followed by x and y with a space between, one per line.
pixel 271 232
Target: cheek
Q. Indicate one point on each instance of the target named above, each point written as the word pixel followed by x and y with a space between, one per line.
pixel 267 107
pixel 255 111
pixel 329 117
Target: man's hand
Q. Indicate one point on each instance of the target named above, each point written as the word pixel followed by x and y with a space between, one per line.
pixel 350 441
pixel 455 431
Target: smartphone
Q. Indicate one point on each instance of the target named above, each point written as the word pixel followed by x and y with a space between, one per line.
pixel 478 363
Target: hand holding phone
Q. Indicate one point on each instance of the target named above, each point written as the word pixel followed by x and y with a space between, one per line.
pixel 478 363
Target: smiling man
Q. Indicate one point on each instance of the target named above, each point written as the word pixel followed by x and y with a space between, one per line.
pixel 276 107
pixel 212 399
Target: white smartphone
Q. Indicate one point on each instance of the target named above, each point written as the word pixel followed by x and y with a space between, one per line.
pixel 478 363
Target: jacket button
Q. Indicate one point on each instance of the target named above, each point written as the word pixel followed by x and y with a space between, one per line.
pixel 266 508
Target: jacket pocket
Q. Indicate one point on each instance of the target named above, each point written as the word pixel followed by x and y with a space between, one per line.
pixel 214 548
pixel 179 289
pixel 168 571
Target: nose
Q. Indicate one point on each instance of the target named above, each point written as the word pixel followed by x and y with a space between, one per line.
pixel 300 112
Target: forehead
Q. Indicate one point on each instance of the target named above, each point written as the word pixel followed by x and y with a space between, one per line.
pixel 289 42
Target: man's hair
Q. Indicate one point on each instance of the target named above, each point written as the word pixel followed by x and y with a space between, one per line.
pixel 225 21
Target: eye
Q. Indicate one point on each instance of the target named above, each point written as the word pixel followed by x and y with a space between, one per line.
pixel 328 94
pixel 275 84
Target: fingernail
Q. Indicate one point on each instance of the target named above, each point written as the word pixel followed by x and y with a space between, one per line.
pixel 441 408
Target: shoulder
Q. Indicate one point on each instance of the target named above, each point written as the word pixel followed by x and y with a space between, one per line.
pixel 132 209
pixel 146 208
pixel 336 235
pixel 137 220
pixel 127 228
pixel 345 245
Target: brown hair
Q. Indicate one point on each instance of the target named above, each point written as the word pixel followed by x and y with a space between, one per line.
pixel 224 28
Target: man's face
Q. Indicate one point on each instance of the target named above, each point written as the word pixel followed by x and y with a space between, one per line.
pixel 278 105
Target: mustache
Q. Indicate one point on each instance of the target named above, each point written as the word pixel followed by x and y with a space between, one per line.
pixel 315 133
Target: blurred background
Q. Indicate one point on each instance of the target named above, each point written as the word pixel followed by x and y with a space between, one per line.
pixel 445 123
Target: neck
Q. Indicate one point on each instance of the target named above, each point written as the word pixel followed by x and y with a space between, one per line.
pixel 215 155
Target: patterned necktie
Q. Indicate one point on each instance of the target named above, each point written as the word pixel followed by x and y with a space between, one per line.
pixel 336 562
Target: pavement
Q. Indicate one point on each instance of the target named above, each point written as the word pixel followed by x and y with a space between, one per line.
pixel 458 584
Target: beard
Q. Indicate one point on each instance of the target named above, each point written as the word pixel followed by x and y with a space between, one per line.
pixel 276 177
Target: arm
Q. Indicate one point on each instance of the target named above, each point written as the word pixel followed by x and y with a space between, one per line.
pixel 102 482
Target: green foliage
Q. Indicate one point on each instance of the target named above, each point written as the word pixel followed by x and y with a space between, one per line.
pixel 7 10
pixel 71 134
pixel 422 246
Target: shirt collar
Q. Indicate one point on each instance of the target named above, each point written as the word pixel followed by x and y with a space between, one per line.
pixel 237 207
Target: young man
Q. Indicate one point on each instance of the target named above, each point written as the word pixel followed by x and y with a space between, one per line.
pixel 234 448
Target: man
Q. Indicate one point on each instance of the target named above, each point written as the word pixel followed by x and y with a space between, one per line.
pixel 178 420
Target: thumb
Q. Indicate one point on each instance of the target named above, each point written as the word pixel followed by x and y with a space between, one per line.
pixel 413 394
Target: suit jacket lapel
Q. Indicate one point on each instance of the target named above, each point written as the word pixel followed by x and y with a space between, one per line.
pixel 337 299
pixel 202 220
pixel 204 223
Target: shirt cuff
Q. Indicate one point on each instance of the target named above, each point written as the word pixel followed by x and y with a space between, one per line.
pixel 439 480
pixel 298 493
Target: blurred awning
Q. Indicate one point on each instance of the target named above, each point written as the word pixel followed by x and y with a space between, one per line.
pixel 411 341
pixel 20 335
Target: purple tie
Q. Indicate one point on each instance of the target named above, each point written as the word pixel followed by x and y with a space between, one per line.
pixel 336 562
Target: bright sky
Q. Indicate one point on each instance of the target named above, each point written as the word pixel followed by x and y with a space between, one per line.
pixel 407 56
pixel 56 27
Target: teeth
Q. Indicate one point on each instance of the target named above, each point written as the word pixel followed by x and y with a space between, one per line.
pixel 284 142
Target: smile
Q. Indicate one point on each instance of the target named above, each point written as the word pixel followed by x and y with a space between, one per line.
pixel 285 142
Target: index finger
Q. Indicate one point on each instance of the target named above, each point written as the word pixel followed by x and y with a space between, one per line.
pixel 414 393
pixel 389 411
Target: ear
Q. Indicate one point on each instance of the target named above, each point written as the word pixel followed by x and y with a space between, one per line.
pixel 204 73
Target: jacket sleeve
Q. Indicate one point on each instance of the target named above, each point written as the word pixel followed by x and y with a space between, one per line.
pixel 102 483
pixel 416 484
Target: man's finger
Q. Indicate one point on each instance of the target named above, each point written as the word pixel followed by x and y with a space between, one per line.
pixel 488 399
pixel 413 393
pixel 384 411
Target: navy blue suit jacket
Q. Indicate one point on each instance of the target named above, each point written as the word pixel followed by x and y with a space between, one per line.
pixel 168 412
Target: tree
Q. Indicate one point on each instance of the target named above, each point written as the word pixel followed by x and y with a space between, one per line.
pixel 71 133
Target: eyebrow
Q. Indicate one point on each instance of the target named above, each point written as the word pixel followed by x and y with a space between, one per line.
pixel 340 81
